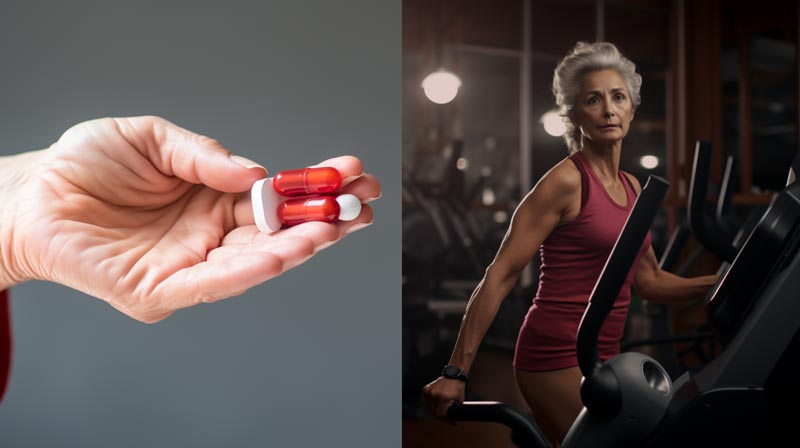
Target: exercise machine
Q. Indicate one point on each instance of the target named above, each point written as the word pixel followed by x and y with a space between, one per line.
pixel 744 397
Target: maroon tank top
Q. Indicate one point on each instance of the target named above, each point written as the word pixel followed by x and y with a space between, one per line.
pixel 573 256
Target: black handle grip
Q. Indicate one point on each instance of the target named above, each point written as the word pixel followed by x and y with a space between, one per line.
pixel 525 431
pixel 711 236
pixel 726 190
pixel 674 247
pixel 616 270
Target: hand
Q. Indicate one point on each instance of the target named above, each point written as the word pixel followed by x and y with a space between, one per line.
pixel 150 217
pixel 443 392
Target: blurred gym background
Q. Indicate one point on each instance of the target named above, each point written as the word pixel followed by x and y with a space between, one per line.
pixel 478 132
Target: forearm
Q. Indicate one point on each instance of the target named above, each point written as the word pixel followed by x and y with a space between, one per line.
pixel 668 288
pixel 481 310
pixel 14 171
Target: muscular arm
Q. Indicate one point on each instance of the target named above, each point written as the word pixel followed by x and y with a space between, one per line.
pixel 658 286
pixel 549 204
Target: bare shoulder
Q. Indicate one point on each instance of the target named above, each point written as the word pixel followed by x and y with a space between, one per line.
pixel 556 190
pixel 634 181
pixel 564 179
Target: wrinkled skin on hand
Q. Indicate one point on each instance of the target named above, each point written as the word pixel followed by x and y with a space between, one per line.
pixel 152 218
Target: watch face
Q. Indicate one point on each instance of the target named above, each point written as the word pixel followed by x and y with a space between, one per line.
pixel 451 371
pixel 454 373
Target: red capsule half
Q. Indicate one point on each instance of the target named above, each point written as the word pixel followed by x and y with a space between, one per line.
pixel 307 181
pixel 296 211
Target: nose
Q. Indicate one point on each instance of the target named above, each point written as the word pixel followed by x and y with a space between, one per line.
pixel 608 109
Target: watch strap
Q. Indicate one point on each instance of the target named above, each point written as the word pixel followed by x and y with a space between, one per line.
pixel 454 373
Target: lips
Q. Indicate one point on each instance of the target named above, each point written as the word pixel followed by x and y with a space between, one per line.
pixel 610 126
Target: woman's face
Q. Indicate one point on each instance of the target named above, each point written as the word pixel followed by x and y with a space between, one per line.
pixel 604 109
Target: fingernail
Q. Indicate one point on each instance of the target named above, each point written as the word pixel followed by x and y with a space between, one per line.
pixel 247 163
pixel 357 227
pixel 349 179
pixel 368 200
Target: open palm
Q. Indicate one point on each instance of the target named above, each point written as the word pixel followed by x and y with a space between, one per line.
pixel 152 218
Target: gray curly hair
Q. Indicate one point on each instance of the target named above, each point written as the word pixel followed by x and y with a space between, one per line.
pixel 586 58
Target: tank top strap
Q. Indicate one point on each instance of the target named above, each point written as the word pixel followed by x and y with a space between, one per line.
pixel 580 163
pixel 628 182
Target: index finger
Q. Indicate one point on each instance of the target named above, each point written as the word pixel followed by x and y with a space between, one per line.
pixel 442 407
pixel 349 167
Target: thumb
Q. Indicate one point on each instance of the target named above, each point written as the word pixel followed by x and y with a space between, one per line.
pixel 194 158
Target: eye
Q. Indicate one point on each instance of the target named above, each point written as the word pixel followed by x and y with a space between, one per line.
pixel 593 100
pixel 619 97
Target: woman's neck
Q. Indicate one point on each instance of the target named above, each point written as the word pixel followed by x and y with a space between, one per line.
pixel 604 159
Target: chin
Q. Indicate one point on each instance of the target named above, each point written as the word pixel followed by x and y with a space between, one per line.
pixel 606 139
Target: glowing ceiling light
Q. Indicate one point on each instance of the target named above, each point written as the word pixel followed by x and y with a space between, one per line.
pixel 488 197
pixel 441 87
pixel 553 123
pixel 649 162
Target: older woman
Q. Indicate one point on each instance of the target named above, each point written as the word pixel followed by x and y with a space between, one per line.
pixel 573 216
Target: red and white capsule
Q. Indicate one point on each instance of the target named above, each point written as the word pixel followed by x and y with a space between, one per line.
pixel 272 210
pixel 307 181
pixel 345 207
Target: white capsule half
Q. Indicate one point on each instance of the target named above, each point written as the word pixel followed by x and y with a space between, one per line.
pixel 350 207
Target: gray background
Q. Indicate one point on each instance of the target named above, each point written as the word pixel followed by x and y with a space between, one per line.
pixel 310 358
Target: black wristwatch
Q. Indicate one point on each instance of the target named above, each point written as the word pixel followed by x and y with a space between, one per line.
pixel 454 373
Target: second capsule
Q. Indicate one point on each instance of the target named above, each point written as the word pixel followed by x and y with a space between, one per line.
pixel 307 181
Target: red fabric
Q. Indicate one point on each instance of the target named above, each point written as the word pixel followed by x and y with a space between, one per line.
pixel 573 256
pixel 5 343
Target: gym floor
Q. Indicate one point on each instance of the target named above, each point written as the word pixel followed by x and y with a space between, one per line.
pixel 492 378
